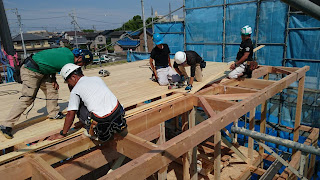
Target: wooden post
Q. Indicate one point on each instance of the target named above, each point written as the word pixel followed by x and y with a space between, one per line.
pixel 162 173
pixel 298 111
pixel 235 138
pixel 217 155
pixel 193 152
pixel 263 121
pixel 250 140
pixel 185 157
pixel 314 142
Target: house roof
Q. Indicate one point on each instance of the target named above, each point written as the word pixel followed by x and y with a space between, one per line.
pixel 79 41
pixel 79 33
pixel 106 32
pixel 148 30
pixel 91 35
pixel 117 33
pixel 29 37
pixel 128 42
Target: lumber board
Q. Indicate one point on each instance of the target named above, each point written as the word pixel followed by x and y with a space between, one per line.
pixel 147 164
pixel 261 71
pixel 255 83
pixel 236 96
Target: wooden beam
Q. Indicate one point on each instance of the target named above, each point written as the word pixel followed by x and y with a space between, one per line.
pixel 237 96
pixel 147 164
pixel 255 83
pixel 261 71
pixel 235 89
pixel 206 107
pixel 42 170
pixel 214 89
pixel 218 104
pixel 185 157
pixel 260 171
pixel 313 157
pixel 279 70
pixel 234 149
pixel 298 111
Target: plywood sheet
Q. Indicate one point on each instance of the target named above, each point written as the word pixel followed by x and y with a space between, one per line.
pixel 130 82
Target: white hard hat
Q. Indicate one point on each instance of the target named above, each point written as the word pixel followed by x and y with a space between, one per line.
pixel 246 30
pixel 68 69
pixel 180 57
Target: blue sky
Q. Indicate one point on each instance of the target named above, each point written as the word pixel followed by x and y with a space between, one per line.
pixel 102 14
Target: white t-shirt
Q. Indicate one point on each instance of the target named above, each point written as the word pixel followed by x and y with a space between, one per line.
pixel 95 94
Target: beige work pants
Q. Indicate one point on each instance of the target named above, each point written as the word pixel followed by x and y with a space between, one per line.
pixel 198 73
pixel 32 81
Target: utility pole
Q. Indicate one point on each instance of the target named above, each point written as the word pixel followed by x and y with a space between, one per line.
pixel 21 34
pixel 170 12
pixel 5 31
pixel 144 28
pixel 74 22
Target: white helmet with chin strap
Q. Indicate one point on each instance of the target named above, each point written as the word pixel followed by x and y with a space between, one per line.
pixel 180 57
pixel 246 30
pixel 68 69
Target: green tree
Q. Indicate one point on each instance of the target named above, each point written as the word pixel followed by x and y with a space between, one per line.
pixel 88 30
pixel 135 23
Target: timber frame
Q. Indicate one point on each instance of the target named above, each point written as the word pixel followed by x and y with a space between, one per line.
pixel 81 155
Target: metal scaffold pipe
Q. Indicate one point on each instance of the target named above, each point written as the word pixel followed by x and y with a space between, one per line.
pixel 277 140
pixel 305 6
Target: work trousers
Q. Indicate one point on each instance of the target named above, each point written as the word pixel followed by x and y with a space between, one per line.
pixel 166 74
pixel 32 82
pixel 198 73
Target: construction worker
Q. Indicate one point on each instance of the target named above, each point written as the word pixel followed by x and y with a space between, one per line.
pixel 162 70
pixel 244 57
pixel 183 59
pixel 96 106
pixel 39 72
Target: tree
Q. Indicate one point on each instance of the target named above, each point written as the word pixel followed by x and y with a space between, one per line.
pixel 135 23
pixel 88 30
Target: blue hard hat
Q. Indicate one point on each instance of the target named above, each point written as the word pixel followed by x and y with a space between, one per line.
pixel 76 52
pixel 157 39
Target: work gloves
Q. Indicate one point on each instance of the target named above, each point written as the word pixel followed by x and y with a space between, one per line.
pixel 189 87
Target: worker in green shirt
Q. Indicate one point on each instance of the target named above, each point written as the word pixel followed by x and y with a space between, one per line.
pixel 39 72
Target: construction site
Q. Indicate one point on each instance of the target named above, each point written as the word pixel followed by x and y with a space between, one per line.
pixel 263 127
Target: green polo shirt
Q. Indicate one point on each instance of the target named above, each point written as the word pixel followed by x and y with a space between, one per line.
pixel 52 60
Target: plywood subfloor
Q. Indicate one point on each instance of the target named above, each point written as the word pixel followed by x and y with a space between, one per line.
pixel 129 82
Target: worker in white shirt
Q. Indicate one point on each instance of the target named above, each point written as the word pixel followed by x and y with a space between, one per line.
pixel 97 107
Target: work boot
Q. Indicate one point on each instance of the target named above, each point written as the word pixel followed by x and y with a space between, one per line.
pixel 6 131
pixel 58 116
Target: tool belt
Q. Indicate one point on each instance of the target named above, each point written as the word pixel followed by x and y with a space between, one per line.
pixel 30 63
pixel 252 65
pixel 104 127
pixel 159 67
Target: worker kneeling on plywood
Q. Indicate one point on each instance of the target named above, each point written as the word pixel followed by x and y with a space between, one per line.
pixel 244 62
pixel 162 70
pixel 183 59
pixel 96 106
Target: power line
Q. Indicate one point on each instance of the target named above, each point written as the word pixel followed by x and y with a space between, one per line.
pixel 97 20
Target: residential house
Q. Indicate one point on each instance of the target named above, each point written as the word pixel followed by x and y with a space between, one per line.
pixel 96 40
pixel 106 33
pixel 116 35
pixel 140 35
pixel 33 43
pixel 80 40
pixel 126 44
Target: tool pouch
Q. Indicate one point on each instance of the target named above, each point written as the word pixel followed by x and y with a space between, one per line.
pixel 253 65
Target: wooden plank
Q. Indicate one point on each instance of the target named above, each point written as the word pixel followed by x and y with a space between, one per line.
pixel 237 96
pixel 214 89
pixel 279 70
pixel 42 170
pixel 217 155
pixel 250 139
pixel 147 164
pixel 255 83
pixel 298 111
pixel 258 48
pixel 260 171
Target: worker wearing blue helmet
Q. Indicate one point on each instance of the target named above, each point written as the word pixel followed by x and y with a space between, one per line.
pixel 162 69
pixel 39 72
